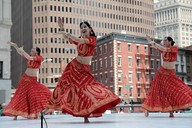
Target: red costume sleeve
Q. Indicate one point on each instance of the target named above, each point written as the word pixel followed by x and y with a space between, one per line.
pixel 37 58
pixel 173 49
pixel 91 40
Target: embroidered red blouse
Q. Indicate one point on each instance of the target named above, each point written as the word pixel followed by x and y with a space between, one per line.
pixel 35 63
pixel 170 55
pixel 87 48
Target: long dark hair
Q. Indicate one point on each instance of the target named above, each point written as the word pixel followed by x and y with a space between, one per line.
pixel 92 33
pixel 38 50
pixel 171 40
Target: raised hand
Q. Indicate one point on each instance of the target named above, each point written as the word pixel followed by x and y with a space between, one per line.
pixel 60 23
pixel 148 38
pixel 11 44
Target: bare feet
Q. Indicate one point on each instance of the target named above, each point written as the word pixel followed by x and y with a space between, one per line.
pixel 15 118
pixel 146 113
pixel 86 120
pixel 171 115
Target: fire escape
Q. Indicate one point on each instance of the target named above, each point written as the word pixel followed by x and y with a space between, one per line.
pixel 142 68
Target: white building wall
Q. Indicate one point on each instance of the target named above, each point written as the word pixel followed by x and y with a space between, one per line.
pixel 181 66
pixel 174 18
pixel 5 26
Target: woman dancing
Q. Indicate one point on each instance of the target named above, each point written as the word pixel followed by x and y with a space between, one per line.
pixel 167 92
pixel 77 92
pixel 31 97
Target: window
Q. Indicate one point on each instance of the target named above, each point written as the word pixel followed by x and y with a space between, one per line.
pixel 151 50
pixel 105 62
pixel 147 77
pixel 152 63
pixel 131 91
pixel 147 63
pixel 111 61
pixel 146 50
pixel 120 76
pixel 138 49
pixel 120 93
pixel 100 64
pixel 138 62
pixel 181 58
pixel 129 48
pixel 158 64
pixel 119 46
pixel 100 78
pixel 111 76
pixel 139 91
pixel 138 77
pixel 182 68
pixel 95 65
pixel 99 50
pixel 119 61
pixel 130 77
pixel 1 69
pixel 130 62
pixel 106 77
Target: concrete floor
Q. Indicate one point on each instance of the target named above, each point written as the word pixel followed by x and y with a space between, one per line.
pixel 129 120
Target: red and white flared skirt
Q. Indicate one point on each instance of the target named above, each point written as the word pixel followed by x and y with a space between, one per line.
pixel 29 100
pixel 79 94
pixel 168 93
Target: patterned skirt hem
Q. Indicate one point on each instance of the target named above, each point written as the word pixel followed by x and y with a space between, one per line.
pixel 96 109
pixel 19 113
pixel 166 109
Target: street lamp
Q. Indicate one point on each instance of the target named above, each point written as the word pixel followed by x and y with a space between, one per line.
pixel 45 60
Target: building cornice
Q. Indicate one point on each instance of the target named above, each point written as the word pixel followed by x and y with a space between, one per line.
pixel 123 37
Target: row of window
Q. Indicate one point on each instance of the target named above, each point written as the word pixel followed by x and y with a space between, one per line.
pixel 95 4
pixel 98 24
pixel 104 48
pixel 171 2
pixel 108 77
pixel 139 92
pixel 177 68
pixel 63 50
pixel 108 62
pixel 117 27
pixel 139 62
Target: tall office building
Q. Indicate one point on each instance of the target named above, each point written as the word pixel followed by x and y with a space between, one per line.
pixel 174 18
pixel 134 17
pixel 21 33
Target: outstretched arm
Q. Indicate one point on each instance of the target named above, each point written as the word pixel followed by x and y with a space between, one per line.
pixel 61 26
pixel 67 36
pixel 156 45
pixel 20 51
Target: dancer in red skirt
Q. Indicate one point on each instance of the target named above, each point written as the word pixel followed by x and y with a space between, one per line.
pixel 31 97
pixel 77 92
pixel 167 92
